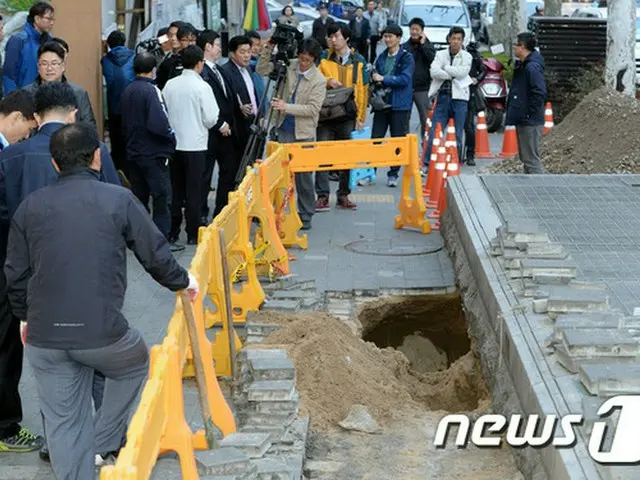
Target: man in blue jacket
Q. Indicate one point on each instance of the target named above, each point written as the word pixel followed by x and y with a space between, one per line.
pixel 117 68
pixel 525 107
pixel 150 142
pixel 393 70
pixel 21 59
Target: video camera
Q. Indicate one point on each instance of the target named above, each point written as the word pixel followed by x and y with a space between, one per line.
pixel 287 38
pixel 379 95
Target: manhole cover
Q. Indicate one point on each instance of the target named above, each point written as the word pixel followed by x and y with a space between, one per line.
pixel 395 247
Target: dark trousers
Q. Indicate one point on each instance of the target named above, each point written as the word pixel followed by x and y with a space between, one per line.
pixel 334 131
pixel 118 145
pixel 228 162
pixel 187 169
pixel 447 108
pixel 10 370
pixel 206 183
pixel 397 122
pixel 150 177
pixel 373 44
pixel 361 46
pixel 470 133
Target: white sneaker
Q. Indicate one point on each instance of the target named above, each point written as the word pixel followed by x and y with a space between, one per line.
pixel 392 182
pixel 364 182
pixel 101 461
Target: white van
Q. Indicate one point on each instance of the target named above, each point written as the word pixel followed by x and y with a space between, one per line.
pixel 438 16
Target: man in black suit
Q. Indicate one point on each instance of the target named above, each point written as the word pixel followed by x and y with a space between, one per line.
pixel 239 76
pixel 223 137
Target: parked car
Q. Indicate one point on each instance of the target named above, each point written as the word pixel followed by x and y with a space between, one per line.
pixel 438 15
pixel 478 15
pixel 305 14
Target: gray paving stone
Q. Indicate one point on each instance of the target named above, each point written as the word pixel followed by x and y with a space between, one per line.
pixel 284 305
pixel 572 363
pixel 588 321
pixel 222 461
pixel 611 379
pixel 272 369
pixel 266 353
pixel 271 390
pixel 293 294
pixel 535 266
pixel 599 342
pixel 253 444
pixel 566 299
pixel 546 251
pixel 275 469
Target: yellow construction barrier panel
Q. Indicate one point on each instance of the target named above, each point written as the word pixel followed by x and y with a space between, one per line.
pixel 383 152
pixel 159 424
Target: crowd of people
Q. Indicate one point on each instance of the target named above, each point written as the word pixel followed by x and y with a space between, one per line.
pixel 173 114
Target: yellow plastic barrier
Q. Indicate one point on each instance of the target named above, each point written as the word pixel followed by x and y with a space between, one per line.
pixel 159 424
pixel 348 154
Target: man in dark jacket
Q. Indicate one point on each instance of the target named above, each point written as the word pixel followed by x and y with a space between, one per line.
pixel 360 31
pixel 477 73
pixel 150 142
pixel 16 121
pixel 525 106
pixel 66 279
pixel 223 135
pixel 117 69
pixel 21 59
pixel 26 166
pixel 171 67
pixel 51 68
pixel 423 54
pixel 394 70
pixel 321 24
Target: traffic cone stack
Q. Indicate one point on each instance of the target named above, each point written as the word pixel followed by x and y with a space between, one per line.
pixel 440 171
pixel 548 118
pixel 428 184
pixel 510 143
pixel 452 170
pixel 483 150
pixel 451 138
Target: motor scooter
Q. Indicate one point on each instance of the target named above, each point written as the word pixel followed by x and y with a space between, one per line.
pixel 494 87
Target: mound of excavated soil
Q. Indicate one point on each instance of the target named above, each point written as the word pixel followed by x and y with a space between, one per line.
pixel 598 136
pixel 335 370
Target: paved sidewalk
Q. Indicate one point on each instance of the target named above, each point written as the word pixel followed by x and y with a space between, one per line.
pixel 347 250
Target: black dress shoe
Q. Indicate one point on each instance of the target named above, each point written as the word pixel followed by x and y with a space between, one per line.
pixel 44 454
pixel 471 162
pixel 192 241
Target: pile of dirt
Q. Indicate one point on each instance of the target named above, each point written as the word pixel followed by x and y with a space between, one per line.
pixel 335 370
pixel 593 138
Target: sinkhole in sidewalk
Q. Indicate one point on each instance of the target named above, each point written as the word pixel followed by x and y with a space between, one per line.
pixel 431 331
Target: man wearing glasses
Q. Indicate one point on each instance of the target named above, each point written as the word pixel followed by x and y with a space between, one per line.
pixel 21 60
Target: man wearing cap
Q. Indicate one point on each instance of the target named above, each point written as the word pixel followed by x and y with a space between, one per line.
pixel 321 24
pixel 394 69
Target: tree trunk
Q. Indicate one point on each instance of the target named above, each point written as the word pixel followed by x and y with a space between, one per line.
pixel 552 8
pixel 620 73
pixel 508 21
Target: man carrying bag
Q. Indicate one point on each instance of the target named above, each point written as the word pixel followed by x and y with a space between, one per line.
pixel 344 108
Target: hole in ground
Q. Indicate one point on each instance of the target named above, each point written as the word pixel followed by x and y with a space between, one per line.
pixel 431 331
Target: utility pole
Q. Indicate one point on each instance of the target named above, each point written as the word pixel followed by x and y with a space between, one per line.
pixel 620 71
pixel 552 8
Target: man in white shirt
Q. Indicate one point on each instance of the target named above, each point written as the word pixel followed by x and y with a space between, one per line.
pixel 192 111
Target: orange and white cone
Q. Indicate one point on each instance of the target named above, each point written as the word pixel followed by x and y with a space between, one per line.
pixel 428 184
pixel 483 150
pixel 548 118
pixel 440 172
pixel 510 142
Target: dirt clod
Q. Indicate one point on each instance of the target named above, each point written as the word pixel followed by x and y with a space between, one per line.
pixel 336 369
pixel 593 138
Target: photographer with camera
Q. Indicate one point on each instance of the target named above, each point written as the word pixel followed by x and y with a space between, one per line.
pixel 304 92
pixel 172 66
pixel 392 96
pixel 344 109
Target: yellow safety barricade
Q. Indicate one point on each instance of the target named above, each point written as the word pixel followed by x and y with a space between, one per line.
pixel 159 423
pixel 382 152
pixel 276 177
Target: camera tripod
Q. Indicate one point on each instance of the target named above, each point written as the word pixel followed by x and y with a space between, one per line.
pixel 258 136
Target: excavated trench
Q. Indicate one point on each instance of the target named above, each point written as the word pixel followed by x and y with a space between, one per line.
pixel 431 330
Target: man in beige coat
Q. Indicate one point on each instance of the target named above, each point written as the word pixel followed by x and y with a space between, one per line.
pixel 304 93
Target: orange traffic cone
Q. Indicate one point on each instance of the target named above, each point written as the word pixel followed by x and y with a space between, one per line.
pixel 482 138
pixel 548 118
pixel 437 138
pixel 427 131
pixel 453 170
pixel 510 143
pixel 440 172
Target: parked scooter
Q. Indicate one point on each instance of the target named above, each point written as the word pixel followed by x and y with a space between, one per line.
pixel 494 88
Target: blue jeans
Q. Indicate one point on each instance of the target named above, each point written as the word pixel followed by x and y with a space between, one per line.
pixel 447 108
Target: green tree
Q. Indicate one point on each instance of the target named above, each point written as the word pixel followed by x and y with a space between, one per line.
pixel 15 6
